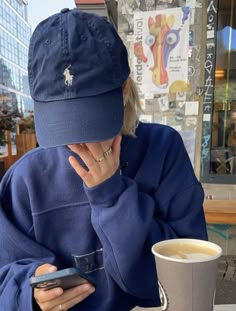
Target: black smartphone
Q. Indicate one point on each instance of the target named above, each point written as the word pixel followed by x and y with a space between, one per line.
pixel 66 278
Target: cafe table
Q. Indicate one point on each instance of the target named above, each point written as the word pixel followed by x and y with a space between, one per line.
pixel 216 308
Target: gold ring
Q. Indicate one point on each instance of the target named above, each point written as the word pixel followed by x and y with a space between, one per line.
pixel 61 308
pixel 106 153
pixel 100 159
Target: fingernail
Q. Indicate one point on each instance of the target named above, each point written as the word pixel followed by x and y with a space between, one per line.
pixel 52 269
pixel 88 288
pixel 58 291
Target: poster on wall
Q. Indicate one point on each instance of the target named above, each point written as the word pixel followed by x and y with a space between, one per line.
pixel 161 43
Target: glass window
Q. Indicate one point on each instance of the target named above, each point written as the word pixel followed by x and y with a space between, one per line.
pixel 218 156
pixel 13 23
pixel 12 50
pixel 18 6
pixel 223 142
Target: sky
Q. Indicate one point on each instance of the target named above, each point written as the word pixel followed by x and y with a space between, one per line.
pixel 39 10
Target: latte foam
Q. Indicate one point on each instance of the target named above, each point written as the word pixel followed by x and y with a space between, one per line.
pixel 186 251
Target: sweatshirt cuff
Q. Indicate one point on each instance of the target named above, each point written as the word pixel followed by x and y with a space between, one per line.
pixel 107 192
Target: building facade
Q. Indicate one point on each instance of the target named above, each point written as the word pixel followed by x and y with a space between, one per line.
pixel 188 48
pixel 14 39
pixel 199 99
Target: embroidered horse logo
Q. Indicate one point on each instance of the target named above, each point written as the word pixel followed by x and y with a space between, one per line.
pixel 68 76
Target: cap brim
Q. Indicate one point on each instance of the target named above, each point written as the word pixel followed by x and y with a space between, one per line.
pixel 79 120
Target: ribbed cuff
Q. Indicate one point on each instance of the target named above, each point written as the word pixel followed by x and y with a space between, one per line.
pixel 107 192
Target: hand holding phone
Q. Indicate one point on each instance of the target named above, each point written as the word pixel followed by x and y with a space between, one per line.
pixel 65 279
pixel 46 278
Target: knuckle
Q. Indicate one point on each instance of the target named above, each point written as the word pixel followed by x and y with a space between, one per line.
pixel 83 175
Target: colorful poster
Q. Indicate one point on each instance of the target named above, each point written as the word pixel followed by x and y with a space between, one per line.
pixel 161 50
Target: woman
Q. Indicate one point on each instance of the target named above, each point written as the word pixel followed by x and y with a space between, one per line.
pixel 102 188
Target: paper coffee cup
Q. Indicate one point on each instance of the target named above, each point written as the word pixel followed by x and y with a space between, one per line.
pixel 187 273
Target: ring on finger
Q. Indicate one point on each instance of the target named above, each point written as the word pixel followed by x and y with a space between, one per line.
pixel 106 153
pixel 101 159
pixel 61 308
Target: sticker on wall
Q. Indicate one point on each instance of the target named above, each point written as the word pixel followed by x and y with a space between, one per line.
pixel 191 108
pixel 163 103
pixel 172 105
pixel 210 34
pixel 206 117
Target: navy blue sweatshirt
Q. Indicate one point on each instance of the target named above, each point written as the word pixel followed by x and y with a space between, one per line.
pixel 47 215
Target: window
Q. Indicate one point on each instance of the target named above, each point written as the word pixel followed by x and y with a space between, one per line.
pixel 222 163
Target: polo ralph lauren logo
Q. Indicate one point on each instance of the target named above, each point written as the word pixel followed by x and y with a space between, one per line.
pixel 68 76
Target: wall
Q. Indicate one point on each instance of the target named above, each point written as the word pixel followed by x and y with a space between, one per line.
pixel 190 126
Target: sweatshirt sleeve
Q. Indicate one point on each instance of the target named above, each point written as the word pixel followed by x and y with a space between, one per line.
pixel 129 221
pixel 19 258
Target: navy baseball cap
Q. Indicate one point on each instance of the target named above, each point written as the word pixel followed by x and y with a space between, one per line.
pixel 77 67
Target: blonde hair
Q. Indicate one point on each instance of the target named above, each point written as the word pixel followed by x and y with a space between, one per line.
pixel 132 108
